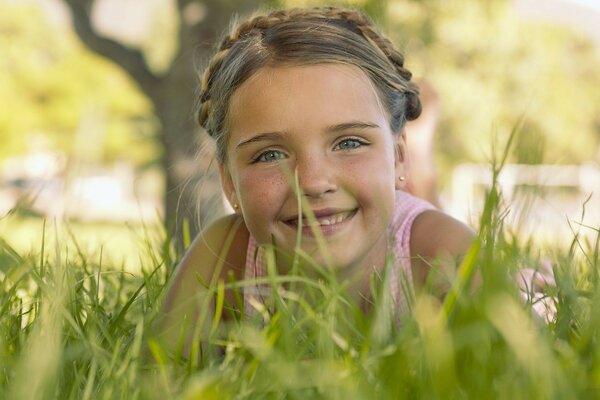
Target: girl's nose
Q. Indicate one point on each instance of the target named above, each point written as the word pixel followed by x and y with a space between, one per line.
pixel 315 177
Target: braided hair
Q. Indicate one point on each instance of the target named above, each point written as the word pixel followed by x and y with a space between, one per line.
pixel 304 37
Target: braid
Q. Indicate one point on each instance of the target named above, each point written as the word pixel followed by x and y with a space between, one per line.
pixel 366 27
pixel 257 24
pixel 215 65
pixel 265 38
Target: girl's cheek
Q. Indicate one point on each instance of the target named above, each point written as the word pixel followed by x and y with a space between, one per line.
pixel 263 196
pixel 373 172
pixel 260 189
pixel 372 183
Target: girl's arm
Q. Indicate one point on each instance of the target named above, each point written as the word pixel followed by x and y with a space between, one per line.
pixel 440 241
pixel 219 249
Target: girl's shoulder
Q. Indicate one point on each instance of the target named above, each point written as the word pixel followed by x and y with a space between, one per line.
pixel 437 234
pixel 221 248
pixel 438 242
pixel 222 245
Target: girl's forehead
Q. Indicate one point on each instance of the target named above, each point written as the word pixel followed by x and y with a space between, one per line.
pixel 302 105
pixel 298 73
pixel 334 87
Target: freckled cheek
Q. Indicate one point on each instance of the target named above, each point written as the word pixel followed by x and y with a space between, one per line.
pixel 373 175
pixel 372 184
pixel 262 194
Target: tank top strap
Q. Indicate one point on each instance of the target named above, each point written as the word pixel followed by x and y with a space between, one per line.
pixel 406 209
pixel 255 268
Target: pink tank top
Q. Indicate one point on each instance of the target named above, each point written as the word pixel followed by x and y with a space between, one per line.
pixel 406 209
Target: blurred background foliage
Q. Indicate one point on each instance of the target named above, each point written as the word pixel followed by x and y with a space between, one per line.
pixel 490 66
pixel 51 82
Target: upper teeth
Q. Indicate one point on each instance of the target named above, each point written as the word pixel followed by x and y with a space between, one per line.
pixel 330 220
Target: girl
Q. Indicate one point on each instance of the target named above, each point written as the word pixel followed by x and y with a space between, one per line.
pixel 308 108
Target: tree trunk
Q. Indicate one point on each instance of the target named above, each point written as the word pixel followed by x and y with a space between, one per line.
pixel 192 188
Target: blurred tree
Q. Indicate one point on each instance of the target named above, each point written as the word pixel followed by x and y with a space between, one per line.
pixel 49 82
pixel 191 185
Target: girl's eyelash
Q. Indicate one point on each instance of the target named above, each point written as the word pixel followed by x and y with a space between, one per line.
pixel 278 155
pixel 359 141
pixel 260 157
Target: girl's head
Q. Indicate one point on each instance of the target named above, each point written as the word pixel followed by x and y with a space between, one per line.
pixel 303 37
pixel 318 96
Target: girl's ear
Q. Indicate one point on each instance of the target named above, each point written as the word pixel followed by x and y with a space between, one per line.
pixel 400 160
pixel 228 187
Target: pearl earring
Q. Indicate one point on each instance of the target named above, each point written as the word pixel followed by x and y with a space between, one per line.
pixel 401 179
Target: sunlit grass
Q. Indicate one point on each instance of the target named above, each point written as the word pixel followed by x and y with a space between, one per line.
pixel 74 323
pixel 121 243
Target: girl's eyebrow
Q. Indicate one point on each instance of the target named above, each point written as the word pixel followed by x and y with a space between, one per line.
pixel 351 125
pixel 331 129
pixel 260 137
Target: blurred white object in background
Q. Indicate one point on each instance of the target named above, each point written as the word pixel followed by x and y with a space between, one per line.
pixel 542 200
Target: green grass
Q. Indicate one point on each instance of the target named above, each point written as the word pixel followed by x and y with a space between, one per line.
pixel 74 325
pixel 122 241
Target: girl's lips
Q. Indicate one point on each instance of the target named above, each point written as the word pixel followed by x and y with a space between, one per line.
pixel 328 222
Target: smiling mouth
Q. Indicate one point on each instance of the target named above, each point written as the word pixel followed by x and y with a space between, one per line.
pixel 322 221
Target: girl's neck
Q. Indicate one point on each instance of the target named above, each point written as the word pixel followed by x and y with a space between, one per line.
pixel 360 273
pixel 357 276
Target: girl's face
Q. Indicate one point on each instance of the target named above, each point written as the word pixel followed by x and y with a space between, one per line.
pixel 325 124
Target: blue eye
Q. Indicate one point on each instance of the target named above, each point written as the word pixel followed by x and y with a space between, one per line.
pixel 269 156
pixel 349 144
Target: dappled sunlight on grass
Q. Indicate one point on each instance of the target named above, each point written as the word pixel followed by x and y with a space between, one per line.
pixel 117 244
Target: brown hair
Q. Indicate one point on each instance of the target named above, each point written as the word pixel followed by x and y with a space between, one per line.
pixel 302 37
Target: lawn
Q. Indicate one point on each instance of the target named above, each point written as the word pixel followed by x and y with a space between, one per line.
pixel 75 322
